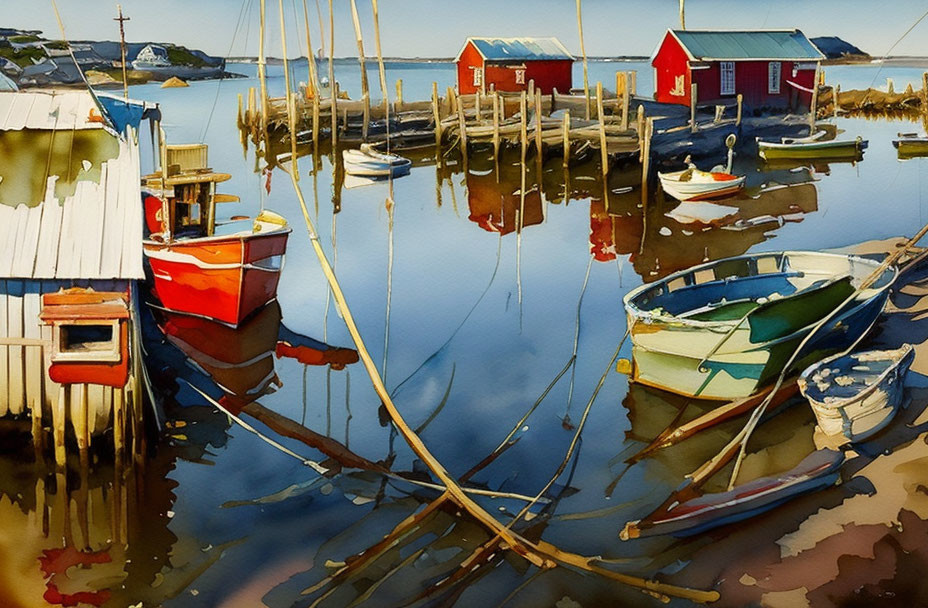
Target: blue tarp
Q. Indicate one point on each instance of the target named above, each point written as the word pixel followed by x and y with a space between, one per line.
pixel 123 113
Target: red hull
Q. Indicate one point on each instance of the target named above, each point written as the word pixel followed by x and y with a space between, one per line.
pixel 221 278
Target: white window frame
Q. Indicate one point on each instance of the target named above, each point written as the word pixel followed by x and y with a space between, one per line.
pixel 774 76
pixel 520 75
pixel 726 77
pixel 109 351
pixel 478 77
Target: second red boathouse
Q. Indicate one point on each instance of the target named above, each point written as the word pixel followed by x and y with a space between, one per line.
pixel 770 69
pixel 510 63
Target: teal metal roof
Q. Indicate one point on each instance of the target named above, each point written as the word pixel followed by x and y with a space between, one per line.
pixel 520 49
pixel 770 44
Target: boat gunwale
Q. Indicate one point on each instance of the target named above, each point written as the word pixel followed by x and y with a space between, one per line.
pixel 216 238
pixel 861 395
pixel 639 315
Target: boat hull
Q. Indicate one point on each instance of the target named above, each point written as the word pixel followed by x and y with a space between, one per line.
pixel 823 150
pixel 694 358
pixel 700 191
pixel 818 470
pixel 221 278
pixel 874 400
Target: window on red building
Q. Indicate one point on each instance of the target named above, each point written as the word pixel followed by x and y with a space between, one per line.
pixel 727 85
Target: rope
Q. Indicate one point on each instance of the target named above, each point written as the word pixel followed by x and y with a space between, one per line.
pixel 238 27
pixel 886 54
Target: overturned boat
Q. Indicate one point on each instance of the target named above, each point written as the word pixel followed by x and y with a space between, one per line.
pixel 855 395
pixel 725 329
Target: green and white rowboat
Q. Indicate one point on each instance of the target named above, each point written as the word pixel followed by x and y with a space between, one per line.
pixel 725 329
pixel 813 148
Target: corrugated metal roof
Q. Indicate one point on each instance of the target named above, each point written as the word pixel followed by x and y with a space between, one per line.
pixel 94 233
pixel 520 49
pixel 769 44
pixel 62 110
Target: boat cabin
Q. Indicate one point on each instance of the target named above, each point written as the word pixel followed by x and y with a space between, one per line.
pixel 769 69
pixel 181 200
pixel 508 64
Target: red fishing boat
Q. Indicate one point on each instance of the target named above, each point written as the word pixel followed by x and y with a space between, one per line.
pixel 225 277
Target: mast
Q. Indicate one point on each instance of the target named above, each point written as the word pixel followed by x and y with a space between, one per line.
pixel 332 86
pixel 365 90
pixel 122 49
pixel 291 123
pixel 310 56
pixel 682 16
pixel 262 75
pixel 586 80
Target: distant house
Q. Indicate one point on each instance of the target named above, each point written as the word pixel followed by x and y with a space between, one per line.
pixel 152 56
pixel 771 68
pixel 510 63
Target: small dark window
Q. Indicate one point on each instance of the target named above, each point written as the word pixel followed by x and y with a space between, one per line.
pixel 77 338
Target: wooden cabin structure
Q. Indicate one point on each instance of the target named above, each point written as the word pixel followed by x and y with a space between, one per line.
pixel 509 64
pixel 769 68
pixel 70 257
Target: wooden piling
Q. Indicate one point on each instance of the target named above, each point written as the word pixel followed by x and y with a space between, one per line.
pixel 836 95
pixel 241 112
pixel 925 91
pixel 496 128
pixel 452 101
pixel 813 109
pixel 566 135
pixel 640 129
pixel 531 91
pixel 315 125
pixel 119 422
pixel 646 159
pixel 436 116
pixel 79 421
pixel 399 95
pixel 625 99
pixel 694 90
pixel 538 142
pixel 633 84
pixel 59 421
pixel 366 114
pixel 604 150
pixel 478 105
pixel 462 125
pixel 740 100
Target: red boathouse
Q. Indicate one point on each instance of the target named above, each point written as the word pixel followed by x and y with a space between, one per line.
pixel 770 69
pixel 510 63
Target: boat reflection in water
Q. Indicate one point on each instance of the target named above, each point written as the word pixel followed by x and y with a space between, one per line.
pixel 495 206
pixel 240 361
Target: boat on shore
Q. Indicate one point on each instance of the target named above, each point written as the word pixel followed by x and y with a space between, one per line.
pixel 854 396
pixel 818 470
pixel 725 329
pixel 194 270
pixel 813 147
pixel 368 162
pixel 910 145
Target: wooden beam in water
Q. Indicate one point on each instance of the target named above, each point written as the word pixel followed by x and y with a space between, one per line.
pixel 538 142
pixel 436 116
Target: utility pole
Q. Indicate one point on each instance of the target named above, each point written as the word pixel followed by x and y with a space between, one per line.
pixel 122 48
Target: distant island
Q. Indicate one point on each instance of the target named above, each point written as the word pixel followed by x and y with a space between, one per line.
pixel 30 60
pixel 837 50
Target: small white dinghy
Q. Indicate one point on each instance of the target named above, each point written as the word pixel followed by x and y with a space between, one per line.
pixel 368 162
pixel 691 184
pixel 855 395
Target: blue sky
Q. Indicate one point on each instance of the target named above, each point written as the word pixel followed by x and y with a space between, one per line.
pixel 437 28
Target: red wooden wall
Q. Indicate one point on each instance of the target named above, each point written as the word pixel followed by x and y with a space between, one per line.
pixel 750 80
pixel 547 74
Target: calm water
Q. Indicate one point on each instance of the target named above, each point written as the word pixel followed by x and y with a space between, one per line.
pixel 480 323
